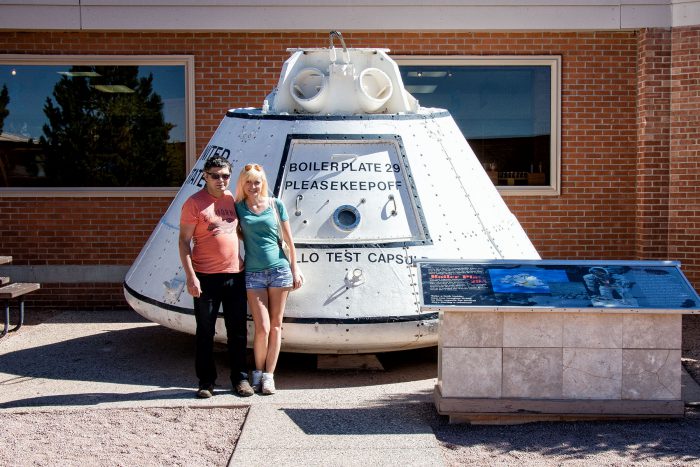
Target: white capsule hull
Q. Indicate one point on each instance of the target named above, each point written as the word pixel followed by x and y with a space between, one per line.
pixel 366 195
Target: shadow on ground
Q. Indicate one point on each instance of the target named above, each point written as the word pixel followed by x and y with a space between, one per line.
pixel 93 398
pixel 157 357
pixel 655 441
pixel 395 419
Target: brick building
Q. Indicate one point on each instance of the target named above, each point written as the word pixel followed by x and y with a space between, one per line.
pixel 621 158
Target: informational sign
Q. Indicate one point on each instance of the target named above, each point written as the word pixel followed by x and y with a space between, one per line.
pixel 551 284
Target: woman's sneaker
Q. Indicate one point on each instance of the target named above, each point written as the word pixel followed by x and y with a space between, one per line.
pixel 268 384
pixel 257 380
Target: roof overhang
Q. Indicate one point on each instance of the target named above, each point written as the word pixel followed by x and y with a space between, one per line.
pixel 346 15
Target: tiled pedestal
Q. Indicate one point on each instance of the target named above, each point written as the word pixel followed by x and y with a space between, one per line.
pixel 513 367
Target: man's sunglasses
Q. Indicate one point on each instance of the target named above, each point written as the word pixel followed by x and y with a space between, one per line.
pixel 218 176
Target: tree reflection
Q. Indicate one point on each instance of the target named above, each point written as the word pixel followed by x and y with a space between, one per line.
pixel 107 129
pixel 4 112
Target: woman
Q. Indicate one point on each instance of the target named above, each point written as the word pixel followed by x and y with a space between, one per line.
pixel 269 274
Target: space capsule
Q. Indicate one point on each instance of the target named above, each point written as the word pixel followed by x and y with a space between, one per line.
pixel 371 182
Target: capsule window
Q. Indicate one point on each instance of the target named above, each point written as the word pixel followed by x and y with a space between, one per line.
pixel 346 217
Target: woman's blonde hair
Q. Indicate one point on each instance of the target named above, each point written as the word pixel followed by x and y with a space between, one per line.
pixel 250 172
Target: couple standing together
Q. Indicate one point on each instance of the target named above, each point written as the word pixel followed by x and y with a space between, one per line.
pixel 211 223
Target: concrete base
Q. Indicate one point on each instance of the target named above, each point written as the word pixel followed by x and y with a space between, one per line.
pixel 485 411
pixel 510 367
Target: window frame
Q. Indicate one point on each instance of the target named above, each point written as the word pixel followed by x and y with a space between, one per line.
pixel 554 62
pixel 126 60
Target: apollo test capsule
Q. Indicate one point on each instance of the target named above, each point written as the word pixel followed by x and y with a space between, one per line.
pixel 371 182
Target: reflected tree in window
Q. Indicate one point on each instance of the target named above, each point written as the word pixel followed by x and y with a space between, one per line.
pixel 4 112
pixel 4 101
pixel 106 128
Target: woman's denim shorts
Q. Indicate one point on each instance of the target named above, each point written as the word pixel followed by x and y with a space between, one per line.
pixel 273 277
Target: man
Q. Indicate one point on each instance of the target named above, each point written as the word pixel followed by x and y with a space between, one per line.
pixel 214 269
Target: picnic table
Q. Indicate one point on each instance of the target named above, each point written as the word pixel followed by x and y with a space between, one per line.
pixel 9 292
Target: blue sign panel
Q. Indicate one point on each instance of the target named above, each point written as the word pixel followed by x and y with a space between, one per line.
pixel 556 284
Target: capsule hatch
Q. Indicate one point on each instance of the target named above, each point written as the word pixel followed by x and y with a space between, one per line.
pixel 350 189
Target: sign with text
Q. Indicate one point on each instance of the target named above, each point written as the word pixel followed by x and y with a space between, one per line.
pixel 350 189
pixel 552 284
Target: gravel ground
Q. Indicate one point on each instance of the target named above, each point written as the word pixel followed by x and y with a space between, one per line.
pixel 673 442
pixel 121 437
pixel 192 436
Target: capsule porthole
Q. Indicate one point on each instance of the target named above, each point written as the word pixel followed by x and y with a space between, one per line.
pixel 346 217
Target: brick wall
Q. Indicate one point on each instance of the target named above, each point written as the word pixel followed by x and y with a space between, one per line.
pixel 81 231
pixel 653 139
pixel 77 231
pixel 684 206
pixel 78 296
pixel 602 212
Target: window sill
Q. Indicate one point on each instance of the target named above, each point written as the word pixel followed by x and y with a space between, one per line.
pixel 89 192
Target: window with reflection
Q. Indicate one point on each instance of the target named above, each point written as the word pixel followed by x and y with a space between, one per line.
pixel 92 125
pixel 506 108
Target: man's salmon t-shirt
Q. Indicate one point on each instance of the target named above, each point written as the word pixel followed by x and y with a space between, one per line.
pixel 215 242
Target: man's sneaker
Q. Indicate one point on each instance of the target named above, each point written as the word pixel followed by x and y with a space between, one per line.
pixel 205 392
pixel 244 389
pixel 257 380
pixel 268 383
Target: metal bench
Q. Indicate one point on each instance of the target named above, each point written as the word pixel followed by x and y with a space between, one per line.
pixel 10 292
